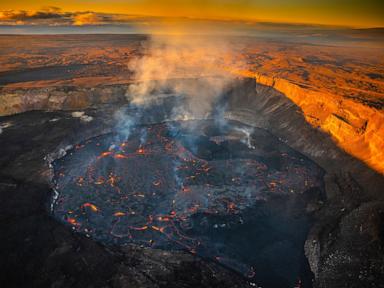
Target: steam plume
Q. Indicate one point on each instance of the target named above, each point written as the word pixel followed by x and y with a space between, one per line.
pixel 204 61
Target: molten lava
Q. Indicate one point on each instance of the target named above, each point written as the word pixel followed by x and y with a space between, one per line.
pixel 195 191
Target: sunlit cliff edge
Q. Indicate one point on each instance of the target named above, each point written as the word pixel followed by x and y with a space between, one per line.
pixel 356 128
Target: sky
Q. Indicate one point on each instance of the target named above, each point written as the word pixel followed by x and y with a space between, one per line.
pixel 354 13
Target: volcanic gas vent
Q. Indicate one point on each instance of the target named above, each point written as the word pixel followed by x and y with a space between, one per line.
pixel 230 193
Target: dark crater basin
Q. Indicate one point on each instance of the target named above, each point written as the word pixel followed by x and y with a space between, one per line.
pixel 229 193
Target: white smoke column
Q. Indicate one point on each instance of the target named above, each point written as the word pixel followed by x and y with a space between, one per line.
pixel 125 124
pixel 247 132
pixel 205 61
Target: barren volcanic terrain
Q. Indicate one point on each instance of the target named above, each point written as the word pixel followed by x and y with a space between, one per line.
pixel 127 161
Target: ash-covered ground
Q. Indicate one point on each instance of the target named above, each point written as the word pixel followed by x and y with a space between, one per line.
pixel 226 192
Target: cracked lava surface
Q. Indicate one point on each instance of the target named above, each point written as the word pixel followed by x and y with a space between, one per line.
pixel 195 186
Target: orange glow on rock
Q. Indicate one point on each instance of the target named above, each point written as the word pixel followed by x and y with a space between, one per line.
pixel 100 180
pixel 120 156
pixel 73 221
pixel 160 229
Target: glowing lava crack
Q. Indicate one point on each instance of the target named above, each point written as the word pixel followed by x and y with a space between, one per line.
pixel 190 185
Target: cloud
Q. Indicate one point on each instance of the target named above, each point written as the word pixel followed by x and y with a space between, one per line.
pixel 54 16
pixel 45 13
pixel 89 18
pixel 46 16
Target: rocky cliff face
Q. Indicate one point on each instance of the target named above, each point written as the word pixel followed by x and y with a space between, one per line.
pixel 16 100
pixel 355 127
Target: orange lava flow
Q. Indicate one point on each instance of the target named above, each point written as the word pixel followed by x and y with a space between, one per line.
pixel 91 206
pixel 104 154
pixel 73 221
pixel 160 229
pixel 140 151
pixel 139 228
pixel 120 156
